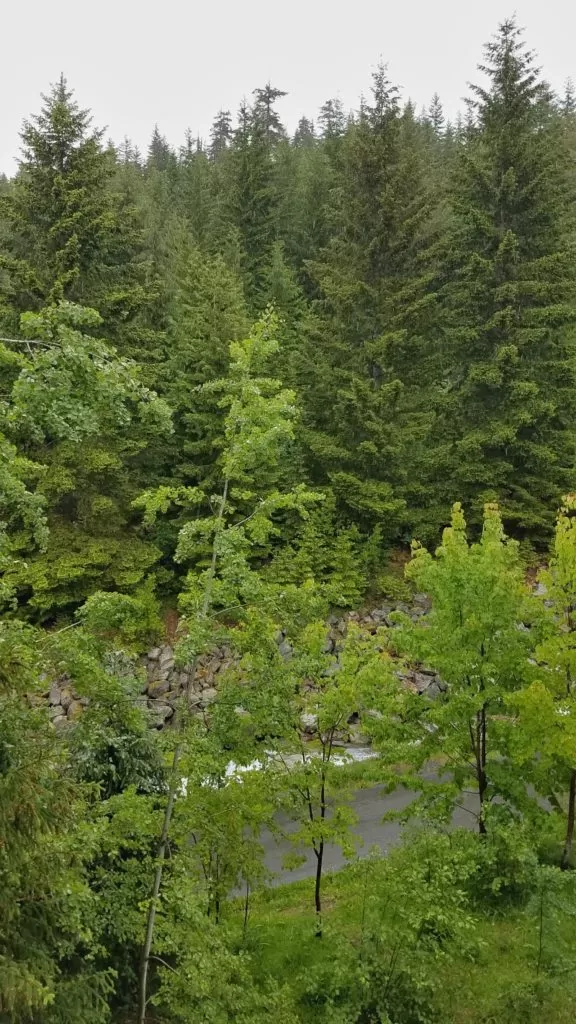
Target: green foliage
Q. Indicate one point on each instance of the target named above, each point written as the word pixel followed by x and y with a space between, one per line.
pixel 476 638
pixel 504 430
pixel 414 284
pixel 84 416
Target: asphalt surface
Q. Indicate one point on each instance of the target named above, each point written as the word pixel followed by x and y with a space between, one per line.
pixel 370 805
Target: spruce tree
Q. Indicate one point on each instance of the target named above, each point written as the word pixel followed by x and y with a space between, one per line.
pixel 377 315
pixel 221 134
pixel 59 210
pixel 265 116
pixel 71 232
pixel 505 430
pixel 252 199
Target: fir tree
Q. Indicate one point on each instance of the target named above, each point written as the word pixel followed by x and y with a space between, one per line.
pixel 59 211
pixel 507 421
pixel 265 117
pixel 252 199
pixel 221 134
pixel 304 134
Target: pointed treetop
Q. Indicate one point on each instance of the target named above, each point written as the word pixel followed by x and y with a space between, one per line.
pixel 385 97
pixel 332 119
pixel 220 133
pixel 304 134
pixel 436 114
pixel 568 104
pixel 265 116
pixel 514 78
pixel 61 127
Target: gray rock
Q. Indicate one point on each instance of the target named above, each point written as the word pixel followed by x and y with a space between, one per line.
pixel 401 606
pixel 55 710
pixel 75 709
pixel 154 654
pixel 422 681
pixel 357 737
pixel 380 615
pixel 285 649
pixel 159 713
pixel 166 658
pixel 209 695
pixel 54 694
pixel 158 687
pixel 66 697
pixel 329 646
pixel 309 722
pixel 434 690
pixel 59 721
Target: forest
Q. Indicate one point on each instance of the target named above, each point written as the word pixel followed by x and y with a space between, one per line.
pixel 288 470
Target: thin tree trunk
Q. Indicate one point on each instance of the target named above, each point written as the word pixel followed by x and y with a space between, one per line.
pixel 569 842
pixel 317 889
pixel 246 911
pixel 147 948
pixel 319 864
pixel 481 766
pixel 174 782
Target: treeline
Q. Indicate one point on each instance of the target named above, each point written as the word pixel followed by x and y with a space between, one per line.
pixel 423 274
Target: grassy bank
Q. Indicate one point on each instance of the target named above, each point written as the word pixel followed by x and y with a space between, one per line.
pixel 440 932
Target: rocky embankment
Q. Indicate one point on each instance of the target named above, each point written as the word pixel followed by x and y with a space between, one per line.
pixel 163 682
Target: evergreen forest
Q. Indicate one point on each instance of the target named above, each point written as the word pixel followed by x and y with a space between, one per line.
pixel 288 562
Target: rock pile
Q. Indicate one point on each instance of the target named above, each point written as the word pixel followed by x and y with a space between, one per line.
pixel 164 683
pixel 64 703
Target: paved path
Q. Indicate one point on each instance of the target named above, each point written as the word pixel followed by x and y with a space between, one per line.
pixel 370 805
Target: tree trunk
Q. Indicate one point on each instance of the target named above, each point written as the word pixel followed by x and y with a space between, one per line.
pixel 569 842
pixel 317 889
pixel 481 766
pixel 174 782
pixel 319 863
pixel 147 948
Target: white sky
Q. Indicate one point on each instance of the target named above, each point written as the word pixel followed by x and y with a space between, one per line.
pixel 138 62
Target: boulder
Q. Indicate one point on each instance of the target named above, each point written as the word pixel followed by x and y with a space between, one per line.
pixel 158 687
pixel 59 721
pixel 66 697
pixel 159 713
pixel 357 737
pixel 209 695
pixel 54 694
pixel 154 654
pixel 308 722
pixel 75 709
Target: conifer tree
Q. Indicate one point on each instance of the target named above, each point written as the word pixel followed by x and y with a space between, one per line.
pixel 59 211
pixel 252 199
pixel 506 430
pixel 378 318
pixel 304 134
pixel 265 116
pixel 72 233
pixel 221 134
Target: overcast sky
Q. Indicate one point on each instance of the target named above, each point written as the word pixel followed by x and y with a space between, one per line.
pixel 136 62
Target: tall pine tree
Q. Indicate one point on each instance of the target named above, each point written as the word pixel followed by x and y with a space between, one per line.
pixel 506 428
